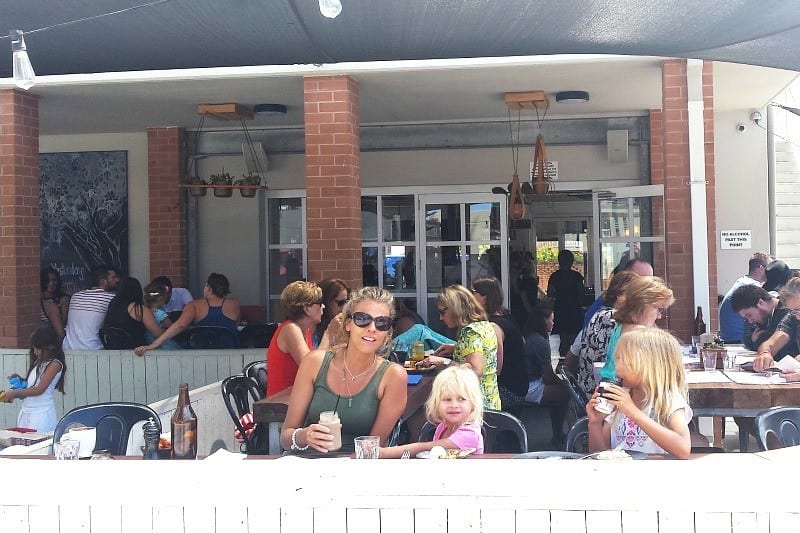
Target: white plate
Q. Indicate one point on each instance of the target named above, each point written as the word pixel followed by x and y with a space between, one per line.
pixel 424 454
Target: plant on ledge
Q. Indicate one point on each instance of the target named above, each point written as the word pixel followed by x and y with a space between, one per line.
pixel 249 179
pixel 196 191
pixel 221 178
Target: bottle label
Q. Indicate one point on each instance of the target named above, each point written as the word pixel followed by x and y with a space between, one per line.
pixel 184 440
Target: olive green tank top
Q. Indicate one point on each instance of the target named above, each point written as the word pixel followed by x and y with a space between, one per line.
pixel 357 413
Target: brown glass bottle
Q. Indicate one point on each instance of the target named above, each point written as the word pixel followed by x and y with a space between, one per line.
pixel 699 323
pixel 184 427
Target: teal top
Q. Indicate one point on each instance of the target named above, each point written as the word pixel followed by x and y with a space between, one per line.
pixel 357 413
pixel 609 370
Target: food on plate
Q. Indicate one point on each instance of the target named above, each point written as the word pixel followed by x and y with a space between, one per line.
pixel 614 455
pixel 164 442
pixel 437 452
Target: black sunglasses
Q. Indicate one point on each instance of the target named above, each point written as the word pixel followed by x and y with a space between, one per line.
pixel 362 320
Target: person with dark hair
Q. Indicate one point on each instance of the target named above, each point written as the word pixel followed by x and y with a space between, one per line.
pixel 638 266
pixel 177 297
pixel 214 309
pixel 512 375
pixel 127 312
pixel 777 273
pixel 87 310
pixel 731 324
pixel 335 293
pixel 544 387
pixel 565 286
pixel 765 316
pixel 53 303
pixel 46 370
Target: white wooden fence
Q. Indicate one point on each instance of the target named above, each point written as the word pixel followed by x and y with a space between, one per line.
pixel 723 492
pixel 119 375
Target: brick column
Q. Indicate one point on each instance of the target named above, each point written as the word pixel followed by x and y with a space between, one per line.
pixel 167 209
pixel 677 196
pixel 20 253
pixel 333 178
pixel 657 178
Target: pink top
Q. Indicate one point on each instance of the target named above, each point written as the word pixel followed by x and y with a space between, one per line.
pixel 465 437
pixel 281 368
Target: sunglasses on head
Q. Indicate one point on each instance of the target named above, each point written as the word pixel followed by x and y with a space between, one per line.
pixel 362 320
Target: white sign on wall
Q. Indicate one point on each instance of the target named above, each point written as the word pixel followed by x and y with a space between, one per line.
pixel 550 171
pixel 735 239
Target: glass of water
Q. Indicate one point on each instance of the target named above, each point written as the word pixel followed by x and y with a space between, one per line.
pixel 66 449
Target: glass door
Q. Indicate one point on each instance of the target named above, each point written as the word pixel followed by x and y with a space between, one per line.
pixel 463 237
pixel 629 224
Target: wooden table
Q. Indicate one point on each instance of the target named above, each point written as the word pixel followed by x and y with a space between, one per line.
pixel 272 411
pixel 740 400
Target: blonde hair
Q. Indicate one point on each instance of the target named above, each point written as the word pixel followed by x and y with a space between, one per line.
pixel 463 306
pixel 372 294
pixel 640 293
pixel 656 356
pixel 456 380
pixel 297 295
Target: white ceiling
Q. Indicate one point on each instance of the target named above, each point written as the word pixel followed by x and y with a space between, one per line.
pixel 390 92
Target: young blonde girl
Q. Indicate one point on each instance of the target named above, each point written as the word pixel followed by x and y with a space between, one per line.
pixel 652 412
pixel 456 406
pixel 46 371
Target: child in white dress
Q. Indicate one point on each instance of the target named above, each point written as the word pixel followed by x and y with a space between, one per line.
pixel 45 374
pixel 654 416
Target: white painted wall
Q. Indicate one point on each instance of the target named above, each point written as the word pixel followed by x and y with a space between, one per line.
pixel 138 223
pixel 741 190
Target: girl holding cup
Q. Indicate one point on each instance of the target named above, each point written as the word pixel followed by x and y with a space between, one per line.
pixel 367 392
pixel 652 412
pixel 46 372
pixel 456 406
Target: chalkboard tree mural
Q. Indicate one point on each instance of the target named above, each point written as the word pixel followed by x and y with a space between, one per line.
pixel 84 212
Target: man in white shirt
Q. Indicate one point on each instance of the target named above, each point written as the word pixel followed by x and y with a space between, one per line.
pixel 177 297
pixel 87 310
pixel 731 324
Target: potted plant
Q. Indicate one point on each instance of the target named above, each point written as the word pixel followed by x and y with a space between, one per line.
pixel 250 180
pixel 196 191
pixel 222 178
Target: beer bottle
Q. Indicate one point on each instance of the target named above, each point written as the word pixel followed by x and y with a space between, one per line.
pixel 184 427
pixel 699 323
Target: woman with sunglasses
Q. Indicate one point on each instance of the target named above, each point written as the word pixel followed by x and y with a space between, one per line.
pixel 645 300
pixel 476 344
pixel 367 391
pixel 335 293
pixel 302 304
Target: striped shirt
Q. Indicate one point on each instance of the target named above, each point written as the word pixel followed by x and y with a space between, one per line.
pixel 87 310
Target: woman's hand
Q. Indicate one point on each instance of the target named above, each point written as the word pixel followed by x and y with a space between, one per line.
pixel 8 396
pixel 141 350
pixel 791 375
pixel 318 437
pixel 12 376
pixel 433 360
pixel 445 350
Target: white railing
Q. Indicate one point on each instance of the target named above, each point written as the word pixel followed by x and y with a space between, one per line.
pixel 119 375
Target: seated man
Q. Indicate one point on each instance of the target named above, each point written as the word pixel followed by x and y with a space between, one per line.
pixel 766 318
pixel 177 297
pixel 87 310
pixel 731 324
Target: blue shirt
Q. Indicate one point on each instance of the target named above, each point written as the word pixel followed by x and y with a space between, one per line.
pixel 595 307
pixel 731 325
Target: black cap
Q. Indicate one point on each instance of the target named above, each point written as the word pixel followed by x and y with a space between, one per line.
pixel 778 273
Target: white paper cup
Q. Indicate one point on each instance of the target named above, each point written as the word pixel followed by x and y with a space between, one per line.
pixel 87 436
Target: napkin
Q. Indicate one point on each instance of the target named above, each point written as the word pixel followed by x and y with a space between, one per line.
pixel 788 364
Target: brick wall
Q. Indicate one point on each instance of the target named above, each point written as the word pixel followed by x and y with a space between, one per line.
pixel 20 254
pixel 711 202
pixel 167 207
pixel 333 178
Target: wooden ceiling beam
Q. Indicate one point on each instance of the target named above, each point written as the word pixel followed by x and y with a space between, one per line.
pixel 527 101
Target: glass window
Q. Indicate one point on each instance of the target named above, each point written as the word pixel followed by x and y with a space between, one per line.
pixel 399 272
pixel 285 249
pixel 369 266
pixel 285 266
pixel 443 222
pixel 369 218
pixel 398 218
pixel 614 220
pixel 483 221
pixel 286 221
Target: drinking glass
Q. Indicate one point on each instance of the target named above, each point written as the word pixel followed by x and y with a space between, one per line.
pixel 66 449
pixel 367 447
pixel 709 361
pixel 729 360
pixel 695 344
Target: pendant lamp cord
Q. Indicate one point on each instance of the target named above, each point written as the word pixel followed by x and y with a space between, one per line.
pixel 514 147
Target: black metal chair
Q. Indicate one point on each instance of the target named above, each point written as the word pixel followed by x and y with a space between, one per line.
pixel 578 398
pixel 257 335
pixel 503 433
pixel 778 427
pixel 257 371
pixel 237 393
pixel 578 437
pixel 113 421
pixel 426 432
pixel 400 435
pixel 212 338
pixel 116 339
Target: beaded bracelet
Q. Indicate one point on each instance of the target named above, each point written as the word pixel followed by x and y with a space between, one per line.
pixel 294 442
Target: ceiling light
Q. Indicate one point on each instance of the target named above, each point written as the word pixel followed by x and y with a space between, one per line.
pixel 572 97
pixel 24 77
pixel 330 8
pixel 271 109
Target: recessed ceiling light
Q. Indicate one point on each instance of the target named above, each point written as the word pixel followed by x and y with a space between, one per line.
pixel 572 97
pixel 272 109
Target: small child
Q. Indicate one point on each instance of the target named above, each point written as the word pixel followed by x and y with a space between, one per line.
pixel 46 372
pixel 654 416
pixel 155 298
pixel 456 405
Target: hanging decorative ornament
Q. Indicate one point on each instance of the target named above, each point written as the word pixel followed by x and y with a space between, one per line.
pixel 541 181
pixel 532 101
pixel 516 202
